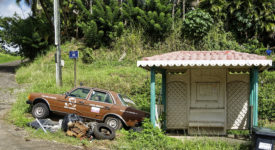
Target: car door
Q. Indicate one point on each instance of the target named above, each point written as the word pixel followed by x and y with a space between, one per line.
pixel 75 100
pixel 99 104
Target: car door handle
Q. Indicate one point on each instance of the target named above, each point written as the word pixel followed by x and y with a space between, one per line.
pixel 106 107
pixel 81 102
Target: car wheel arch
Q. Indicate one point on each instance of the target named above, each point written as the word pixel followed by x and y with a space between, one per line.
pixel 116 116
pixel 42 100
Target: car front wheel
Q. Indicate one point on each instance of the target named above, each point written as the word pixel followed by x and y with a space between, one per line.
pixel 113 122
pixel 40 111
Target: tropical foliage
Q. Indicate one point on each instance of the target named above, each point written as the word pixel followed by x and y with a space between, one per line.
pixel 101 22
pixel 245 18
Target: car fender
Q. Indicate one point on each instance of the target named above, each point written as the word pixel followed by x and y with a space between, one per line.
pixel 44 100
pixel 113 114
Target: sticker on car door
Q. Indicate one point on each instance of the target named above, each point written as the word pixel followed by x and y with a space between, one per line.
pixel 71 104
pixel 95 109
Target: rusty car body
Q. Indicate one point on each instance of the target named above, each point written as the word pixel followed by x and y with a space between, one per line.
pixel 93 103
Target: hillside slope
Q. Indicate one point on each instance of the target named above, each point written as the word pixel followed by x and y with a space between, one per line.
pixel 105 71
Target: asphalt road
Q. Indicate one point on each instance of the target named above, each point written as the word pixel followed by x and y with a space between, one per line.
pixel 11 137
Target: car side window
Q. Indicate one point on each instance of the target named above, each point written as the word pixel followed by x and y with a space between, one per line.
pixel 80 93
pixel 101 97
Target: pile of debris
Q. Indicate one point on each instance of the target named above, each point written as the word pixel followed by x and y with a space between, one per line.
pixel 77 129
pixel 73 125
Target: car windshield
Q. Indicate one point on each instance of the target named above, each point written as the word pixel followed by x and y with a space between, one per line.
pixel 126 101
pixel 80 93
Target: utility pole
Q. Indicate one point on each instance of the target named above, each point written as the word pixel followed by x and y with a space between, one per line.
pixel 57 43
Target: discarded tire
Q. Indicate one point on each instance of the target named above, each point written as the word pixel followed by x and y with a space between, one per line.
pixel 69 118
pixel 103 131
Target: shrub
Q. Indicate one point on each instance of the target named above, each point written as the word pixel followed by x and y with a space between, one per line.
pixel 87 56
pixel 197 24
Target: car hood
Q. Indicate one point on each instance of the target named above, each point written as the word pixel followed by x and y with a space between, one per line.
pixel 140 113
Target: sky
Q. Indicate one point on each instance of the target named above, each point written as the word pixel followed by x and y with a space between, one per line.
pixel 9 7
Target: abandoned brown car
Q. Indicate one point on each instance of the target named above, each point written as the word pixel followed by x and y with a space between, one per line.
pixel 93 103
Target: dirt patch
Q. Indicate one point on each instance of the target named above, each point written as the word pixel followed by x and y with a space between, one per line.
pixel 11 137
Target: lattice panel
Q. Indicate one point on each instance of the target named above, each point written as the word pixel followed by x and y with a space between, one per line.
pixel 177 105
pixel 237 105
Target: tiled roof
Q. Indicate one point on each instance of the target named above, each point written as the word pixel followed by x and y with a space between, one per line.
pixel 205 58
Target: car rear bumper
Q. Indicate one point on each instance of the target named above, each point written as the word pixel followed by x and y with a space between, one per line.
pixel 29 102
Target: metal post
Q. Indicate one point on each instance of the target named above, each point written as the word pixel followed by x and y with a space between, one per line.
pixel 255 107
pixel 57 43
pixel 74 72
pixel 163 98
pixel 153 97
pixel 251 97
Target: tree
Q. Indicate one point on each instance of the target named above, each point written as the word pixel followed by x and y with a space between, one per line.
pixel 30 35
pixel 156 19
pixel 216 8
pixel 105 24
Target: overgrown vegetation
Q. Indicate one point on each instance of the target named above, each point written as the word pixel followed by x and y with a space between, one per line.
pixel 154 138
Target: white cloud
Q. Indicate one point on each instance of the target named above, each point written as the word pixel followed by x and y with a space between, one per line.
pixel 9 7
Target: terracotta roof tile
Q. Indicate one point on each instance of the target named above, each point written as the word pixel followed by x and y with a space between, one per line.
pixel 206 55
pixel 205 58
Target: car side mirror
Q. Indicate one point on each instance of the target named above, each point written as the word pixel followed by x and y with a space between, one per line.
pixel 67 94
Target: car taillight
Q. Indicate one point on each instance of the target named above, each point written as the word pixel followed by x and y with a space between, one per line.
pixel 29 96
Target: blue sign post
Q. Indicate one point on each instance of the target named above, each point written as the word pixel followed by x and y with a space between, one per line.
pixel 74 55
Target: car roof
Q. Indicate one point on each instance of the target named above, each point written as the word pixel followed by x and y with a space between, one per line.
pixel 93 88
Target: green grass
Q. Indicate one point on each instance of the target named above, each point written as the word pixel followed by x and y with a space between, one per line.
pixel 58 136
pixel 4 58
